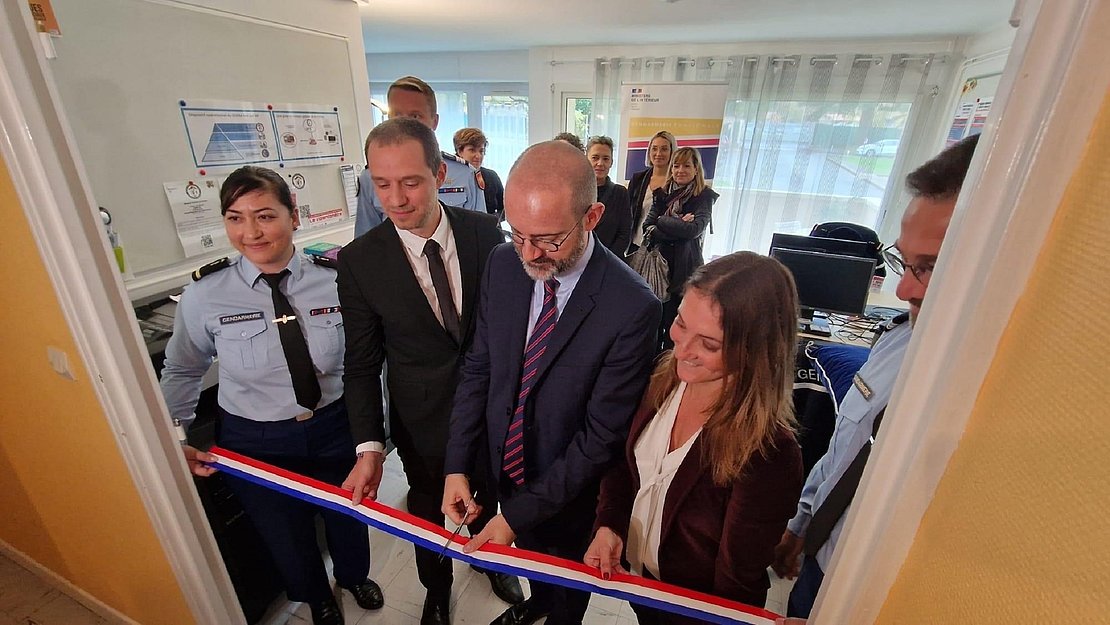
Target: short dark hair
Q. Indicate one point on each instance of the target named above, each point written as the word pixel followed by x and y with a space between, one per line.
pixel 400 129
pixel 473 137
pixel 943 176
pixel 248 179
pixel 601 140
pixel 570 138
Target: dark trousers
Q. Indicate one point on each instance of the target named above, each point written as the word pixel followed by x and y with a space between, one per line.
pixel 320 448
pixel 566 535
pixel 425 498
pixel 805 589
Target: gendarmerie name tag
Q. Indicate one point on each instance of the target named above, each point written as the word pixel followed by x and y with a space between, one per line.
pixel 862 387
pixel 324 311
pixel 236 318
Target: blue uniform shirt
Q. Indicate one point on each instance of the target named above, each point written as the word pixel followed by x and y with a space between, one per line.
pixel 228 314
pixel 460 189
pixel 852 430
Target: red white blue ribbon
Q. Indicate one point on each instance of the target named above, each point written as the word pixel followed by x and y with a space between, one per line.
pixel 511 560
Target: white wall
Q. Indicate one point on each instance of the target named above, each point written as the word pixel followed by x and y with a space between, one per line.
pixel 494 66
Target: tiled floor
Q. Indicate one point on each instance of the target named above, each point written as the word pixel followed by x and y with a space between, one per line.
pixel 27 600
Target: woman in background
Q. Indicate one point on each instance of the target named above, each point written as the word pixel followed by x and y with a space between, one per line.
pixel 470 145
pixel 679 214
pixel 614 231
pixel 272 318
pixel 643 184
pixel 712 471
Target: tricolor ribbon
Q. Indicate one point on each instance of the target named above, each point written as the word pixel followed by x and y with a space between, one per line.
pixel 511 560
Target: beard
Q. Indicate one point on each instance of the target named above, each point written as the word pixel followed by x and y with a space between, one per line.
pixel 544 269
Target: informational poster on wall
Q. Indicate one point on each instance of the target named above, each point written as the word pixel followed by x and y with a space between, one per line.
pixel 196 214
pixel 972 107
pixel 692 111
pixel 230 134
pixel 311 212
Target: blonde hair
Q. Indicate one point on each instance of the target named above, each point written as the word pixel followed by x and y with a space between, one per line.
pixel 758 306
pixel 689 155
pixel 662 134
pixel 414 84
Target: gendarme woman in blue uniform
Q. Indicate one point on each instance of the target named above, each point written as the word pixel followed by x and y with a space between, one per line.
pixel 272 318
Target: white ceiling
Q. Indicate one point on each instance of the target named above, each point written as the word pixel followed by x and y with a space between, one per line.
pixel 463 25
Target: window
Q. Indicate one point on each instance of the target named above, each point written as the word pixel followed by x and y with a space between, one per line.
pixel 576 115
pixel 499 109
pixel 505 123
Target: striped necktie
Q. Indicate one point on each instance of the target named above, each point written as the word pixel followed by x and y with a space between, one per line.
pixel 512 463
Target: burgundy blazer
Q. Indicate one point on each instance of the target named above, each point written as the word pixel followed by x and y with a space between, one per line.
pixel 714 539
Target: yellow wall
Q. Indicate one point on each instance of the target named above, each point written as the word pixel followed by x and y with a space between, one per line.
pixel 68 500
pixel 1017 530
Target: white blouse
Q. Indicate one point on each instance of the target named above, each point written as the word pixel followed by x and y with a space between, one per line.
pixel 638 236
pixel 656 467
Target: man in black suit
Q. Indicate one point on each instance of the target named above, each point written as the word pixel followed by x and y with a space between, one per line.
pixel 562 352
pixel 408 290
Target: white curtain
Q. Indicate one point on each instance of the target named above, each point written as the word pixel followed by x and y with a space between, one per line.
pixel 806 138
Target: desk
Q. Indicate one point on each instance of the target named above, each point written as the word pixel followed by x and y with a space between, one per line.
pixel 813 407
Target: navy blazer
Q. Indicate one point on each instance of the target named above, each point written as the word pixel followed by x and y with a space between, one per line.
pixel 587 388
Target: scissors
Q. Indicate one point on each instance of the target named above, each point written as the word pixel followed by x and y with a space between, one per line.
pixel 443 552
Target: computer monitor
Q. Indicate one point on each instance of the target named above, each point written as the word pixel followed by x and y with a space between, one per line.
pixel 833 283
pixel 844 247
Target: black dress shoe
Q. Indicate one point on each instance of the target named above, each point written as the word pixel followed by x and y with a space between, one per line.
pixel 368 595
pixel 437 610
pixel 325 612
pixel 524 613
pixel 506 587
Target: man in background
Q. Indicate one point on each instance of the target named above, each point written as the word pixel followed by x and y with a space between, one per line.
pixel 815 529
pixel 411 97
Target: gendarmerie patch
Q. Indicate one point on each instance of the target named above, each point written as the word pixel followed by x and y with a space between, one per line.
pixel 240 317
pixel 324 311
pixel 862 387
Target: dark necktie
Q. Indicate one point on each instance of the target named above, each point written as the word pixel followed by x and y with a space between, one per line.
pixel 305 385
pixel 442 286
pixel 512 463
pixel 840 497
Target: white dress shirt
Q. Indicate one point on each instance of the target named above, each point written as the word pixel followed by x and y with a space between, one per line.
pixel 567 281
pixel 413 245
pixel 656 467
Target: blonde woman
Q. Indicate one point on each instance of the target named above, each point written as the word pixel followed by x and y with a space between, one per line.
pixel 643 184
pixel 680 212
pixel 712 471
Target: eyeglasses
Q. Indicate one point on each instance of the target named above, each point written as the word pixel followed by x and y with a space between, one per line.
pixel 921 271
pixel 546 245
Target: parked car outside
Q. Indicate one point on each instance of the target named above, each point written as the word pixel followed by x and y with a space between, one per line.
pixel 886 147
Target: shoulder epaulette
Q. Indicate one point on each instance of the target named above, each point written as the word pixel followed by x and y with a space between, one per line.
pixel 447 156
pixel 324 261
pixel 902 318
pixel 212 267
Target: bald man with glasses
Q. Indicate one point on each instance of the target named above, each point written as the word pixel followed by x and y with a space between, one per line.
pixel 815 529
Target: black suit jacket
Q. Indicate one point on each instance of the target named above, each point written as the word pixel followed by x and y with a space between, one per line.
pixel 614 230
pixel 387 317
pixel 495 192
pixel 588 385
